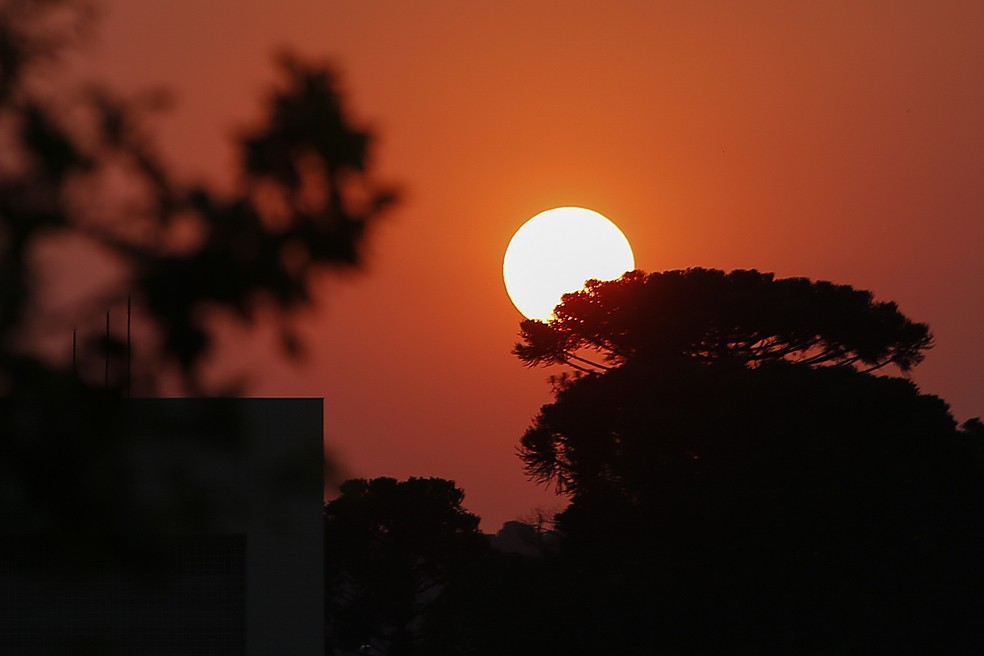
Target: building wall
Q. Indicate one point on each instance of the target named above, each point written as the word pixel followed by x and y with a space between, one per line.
pixel 223 554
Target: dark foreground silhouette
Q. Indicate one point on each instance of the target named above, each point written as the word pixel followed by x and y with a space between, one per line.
pixel 740 481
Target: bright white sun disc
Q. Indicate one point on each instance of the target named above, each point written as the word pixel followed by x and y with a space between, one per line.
pixel 556 252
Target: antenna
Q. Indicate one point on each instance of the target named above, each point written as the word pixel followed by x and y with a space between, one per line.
pixel 106 378
pixel 129 351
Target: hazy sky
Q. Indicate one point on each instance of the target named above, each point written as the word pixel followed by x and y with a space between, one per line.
pixel 834 140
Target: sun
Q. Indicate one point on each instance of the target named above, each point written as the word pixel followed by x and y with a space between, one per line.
pixel 556 252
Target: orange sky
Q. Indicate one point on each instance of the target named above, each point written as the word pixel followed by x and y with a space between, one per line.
pixel 834 140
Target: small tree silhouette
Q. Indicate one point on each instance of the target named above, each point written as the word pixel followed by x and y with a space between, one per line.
pixel 390 548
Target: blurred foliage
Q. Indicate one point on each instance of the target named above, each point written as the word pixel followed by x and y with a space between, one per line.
pixel 303 201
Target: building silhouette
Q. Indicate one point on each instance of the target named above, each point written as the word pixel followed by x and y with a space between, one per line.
pixel 228 561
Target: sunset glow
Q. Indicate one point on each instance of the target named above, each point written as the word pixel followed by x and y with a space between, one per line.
pixel 838 142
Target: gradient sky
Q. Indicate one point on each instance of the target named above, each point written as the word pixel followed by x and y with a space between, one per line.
pixel 834 140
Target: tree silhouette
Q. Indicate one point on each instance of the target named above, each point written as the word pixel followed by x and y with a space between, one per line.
pixel 390 549
pixel 661 326
pixel 738 473
pixel 707 315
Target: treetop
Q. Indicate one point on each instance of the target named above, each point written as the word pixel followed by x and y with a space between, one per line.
pixel 709 315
